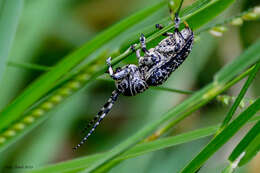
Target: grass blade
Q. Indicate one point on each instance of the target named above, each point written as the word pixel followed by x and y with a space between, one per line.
pixel 224 74
pixel 228 169
pixel 42 85
pixel 222 138
pixel 212 9
pixel 161 88
pixel 239 98
pixel 217 143
pixel 91 70
pixel 245 142
pixel 140 149
pixel 9 17
pixel 252 149
pixel 247 148
pixel 29 66
pixel 220 5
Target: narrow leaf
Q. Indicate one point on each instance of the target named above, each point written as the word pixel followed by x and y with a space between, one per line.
pixel 222 138
pixel 250 136
pixel 43 84
pixel 216 5
pixel 140 149
pixel 91 70
pixel 240 97
pixel 225 73
pixel 9 17
pixel 252 149
pixel 228 169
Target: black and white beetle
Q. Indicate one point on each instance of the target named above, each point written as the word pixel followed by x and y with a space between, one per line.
pixel 153 69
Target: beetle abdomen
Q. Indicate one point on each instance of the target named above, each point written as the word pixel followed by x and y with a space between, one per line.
pixel 160 73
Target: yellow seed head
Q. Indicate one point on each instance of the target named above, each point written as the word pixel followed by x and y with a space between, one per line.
pixel 29 119
pixel 215 33
pixel 237 21
pixel 74 84
pixel 56 98
pixel 250 16
pixel 2 140
pixel 65 91
pixel 19 126
pixel 82 77
pixel 197 38
pixel 38 112
pixel 257 10
pixel 226 100
pixel 220 29
pixel 47 105
pixel 242 104
pixel 251 101
pixel 9 133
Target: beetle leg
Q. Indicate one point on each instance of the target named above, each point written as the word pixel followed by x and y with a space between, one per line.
pixel 177 22
pixel 143 44
pixel 138 54
pixel 119 75
pixel 160 26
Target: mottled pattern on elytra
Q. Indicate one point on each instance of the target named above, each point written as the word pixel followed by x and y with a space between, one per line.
pixel 156 65
pixel 171 52
pixel 133 83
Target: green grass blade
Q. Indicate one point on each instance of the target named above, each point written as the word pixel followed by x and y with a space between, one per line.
pixel 43 84
pixel 225 73
pixel 182 110
pixel 49 133
pixel 228 169
pixel 9 16
pixel 212 9
pixel 239 97
pixel 245 142
pixel 248 147
pixel 222 138
pixel 161 88
pixel 209 93
pixel 198 98
pixel 252 149
pixel 29 66
pixel 40 112
pixel 190 109
pixel 245 150
pixel 30 34
pixel 94 69
pixel 235 105
pixel 140 149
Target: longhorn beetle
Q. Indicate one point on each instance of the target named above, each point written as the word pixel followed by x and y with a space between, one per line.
pixel 153 69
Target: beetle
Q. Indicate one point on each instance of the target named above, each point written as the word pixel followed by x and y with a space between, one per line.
pixel 153 69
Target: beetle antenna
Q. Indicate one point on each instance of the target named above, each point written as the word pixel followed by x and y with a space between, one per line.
pixel 179 8
pixel 100 116
pixel 177 18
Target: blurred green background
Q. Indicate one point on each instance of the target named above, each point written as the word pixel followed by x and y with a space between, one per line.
pixel 50 29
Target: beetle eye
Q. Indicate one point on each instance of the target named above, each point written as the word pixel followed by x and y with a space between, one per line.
pixel 118 69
